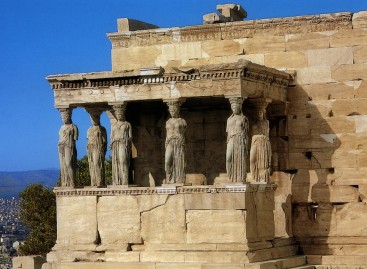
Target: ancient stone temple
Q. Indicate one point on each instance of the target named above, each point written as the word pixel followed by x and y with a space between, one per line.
pixel 234 144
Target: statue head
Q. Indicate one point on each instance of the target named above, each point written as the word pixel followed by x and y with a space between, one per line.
pixel 120 112
pixel 174 109
pixel 66 115
pixel 236 105
pixel 95 119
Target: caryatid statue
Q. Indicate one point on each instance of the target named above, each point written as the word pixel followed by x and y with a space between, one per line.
pixel 175 145
pixel 260 153
pixel 68 135
pixel 96 148
pixel 121 143
pixel 237 142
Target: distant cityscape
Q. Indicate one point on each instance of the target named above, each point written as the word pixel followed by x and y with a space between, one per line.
pixel 12 231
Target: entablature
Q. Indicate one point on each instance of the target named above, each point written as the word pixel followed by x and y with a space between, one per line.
pixel 242 78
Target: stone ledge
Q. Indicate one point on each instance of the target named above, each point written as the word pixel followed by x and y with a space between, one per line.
pixel 110 191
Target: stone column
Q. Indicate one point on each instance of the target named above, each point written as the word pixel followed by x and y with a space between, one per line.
pixel 175 145
pixel 120 143
pixel 68 135
pixel 237 142
pixel 260 153
pixel 96 147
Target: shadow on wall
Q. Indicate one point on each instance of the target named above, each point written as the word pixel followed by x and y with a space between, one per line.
pixel 314 153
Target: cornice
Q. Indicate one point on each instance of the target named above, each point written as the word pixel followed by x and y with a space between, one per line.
pixel 233 30
pixel 242 69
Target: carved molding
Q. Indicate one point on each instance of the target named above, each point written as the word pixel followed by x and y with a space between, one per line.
pixel 233 30
pixel 110 191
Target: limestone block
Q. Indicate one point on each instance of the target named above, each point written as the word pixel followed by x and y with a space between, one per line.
pixel 183 247
pixel 162 256
pixel 283 215
pixel 353 141
pixel 330 56
pixel 351 220
pixel 329 91
pixel 118 256
pixel 216 201
pixel 334 194
pixel 119 220
pixel 359 20
pixel 222 265
pixel 104 265
pixel 349 38
pixel 178 265
pixel 299 126
pixel 294 59
pixel 309 75
pixel 148 202
pixel 213 48
pixel 216 226
pixel 349 106
pixel 180 51
pixel 166 223
pixel 361 88
pixel 263 44
pixel 336 124
pixel 348 176
pixel 215 257
pixel 313 142
pixel 360 54
pixel 134 58
pixel 335 158
pixel 304 217
pixel 349 72
pixel 264 201
pixel 28 262
pixel 196 179
pixel 265 225
pixel 77 220
pixel 299 42
pixel 298 160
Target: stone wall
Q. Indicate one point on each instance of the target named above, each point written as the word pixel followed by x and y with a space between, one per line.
pixel 322 180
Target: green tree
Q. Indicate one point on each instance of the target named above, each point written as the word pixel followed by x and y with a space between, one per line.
pixel 38 211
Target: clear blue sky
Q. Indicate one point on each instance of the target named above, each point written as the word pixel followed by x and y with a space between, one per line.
pixel 40 38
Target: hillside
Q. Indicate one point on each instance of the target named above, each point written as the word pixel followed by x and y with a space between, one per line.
pixel 11 183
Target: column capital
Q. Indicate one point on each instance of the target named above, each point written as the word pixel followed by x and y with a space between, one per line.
pixel 260 103
pixel 174 101
pixel 95 111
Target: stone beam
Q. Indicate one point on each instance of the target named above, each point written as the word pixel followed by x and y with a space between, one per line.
pixel 242 78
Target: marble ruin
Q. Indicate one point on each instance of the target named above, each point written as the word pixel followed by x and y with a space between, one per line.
pixel 259 161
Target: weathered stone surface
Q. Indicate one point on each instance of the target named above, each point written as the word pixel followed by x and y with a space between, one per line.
pixel 360 54
pixel 126 24
pixel 213 48
pixel 349 72
pixel 119 220
pixel 300 42
pixel 330 57
pixel 166 223
pixel 218 201
pixel 294 59
pixel 77 220
pixel 263 44
pixel 359 20
pixel 216 226
pixel 117 256
pixel 309 75
pixel 134 58
pixel 348 38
